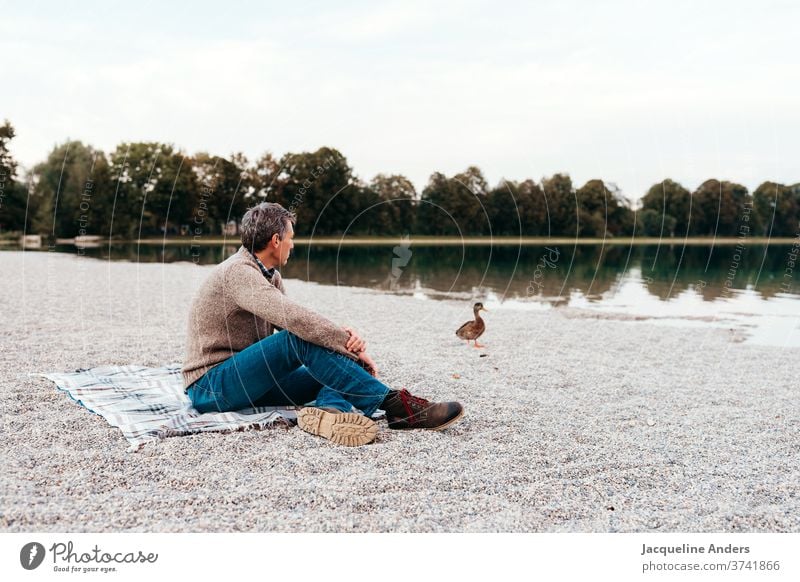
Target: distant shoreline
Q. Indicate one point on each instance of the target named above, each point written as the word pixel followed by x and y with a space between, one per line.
pixel 451 241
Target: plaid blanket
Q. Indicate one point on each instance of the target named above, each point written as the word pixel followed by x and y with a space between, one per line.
pixel 148 403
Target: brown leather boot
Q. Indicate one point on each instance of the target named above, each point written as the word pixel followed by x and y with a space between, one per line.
pixel 405 411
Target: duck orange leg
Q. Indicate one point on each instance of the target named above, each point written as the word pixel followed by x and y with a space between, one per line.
pixel 477 345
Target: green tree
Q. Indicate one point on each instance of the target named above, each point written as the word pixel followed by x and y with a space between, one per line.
pixel 719 208
pixel 777 208
pixel 621 218
pixel 455 206
pixel 432 216
pixel 562 205
pixel 654 223
pixel 397 199
pixel 592 202
pixel 470 191
pixel 502 204
pixel 224 189
pixel 603 211
pixel 155 190
pixel 371 216
pixel 70 190
pixel 319 188
pixel 673 203
pixel 265 178
pixel 13 195
pixel 533 209
pixel 517 209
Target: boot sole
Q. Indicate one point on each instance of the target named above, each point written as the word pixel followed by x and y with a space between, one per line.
pixel 450 422
pixel 348 428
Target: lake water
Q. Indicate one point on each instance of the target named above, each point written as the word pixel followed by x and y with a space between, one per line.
pixel 755 291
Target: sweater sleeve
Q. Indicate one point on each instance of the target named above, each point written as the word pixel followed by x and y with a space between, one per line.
pixel 247 288
pixel 277 280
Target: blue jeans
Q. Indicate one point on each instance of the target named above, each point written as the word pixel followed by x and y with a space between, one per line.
pixel 282 370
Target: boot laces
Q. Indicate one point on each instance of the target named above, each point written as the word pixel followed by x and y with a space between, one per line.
pixel 411 402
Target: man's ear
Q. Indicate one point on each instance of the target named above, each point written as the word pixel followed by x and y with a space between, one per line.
pixel 276 240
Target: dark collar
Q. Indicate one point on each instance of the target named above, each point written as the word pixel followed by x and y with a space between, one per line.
pixel 268 273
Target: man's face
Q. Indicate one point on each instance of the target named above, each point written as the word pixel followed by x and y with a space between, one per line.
pixel 286 245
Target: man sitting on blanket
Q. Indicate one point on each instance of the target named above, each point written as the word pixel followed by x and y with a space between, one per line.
pixel 235 361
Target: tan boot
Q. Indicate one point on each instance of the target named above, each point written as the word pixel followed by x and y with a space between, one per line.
pixel 343 428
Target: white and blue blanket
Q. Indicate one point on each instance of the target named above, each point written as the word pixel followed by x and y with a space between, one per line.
pixel 149 403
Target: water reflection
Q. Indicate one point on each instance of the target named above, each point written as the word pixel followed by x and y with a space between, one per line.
pixel 751 316
pixel 696 285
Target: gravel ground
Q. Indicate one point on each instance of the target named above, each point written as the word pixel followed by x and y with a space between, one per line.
pixel 573 423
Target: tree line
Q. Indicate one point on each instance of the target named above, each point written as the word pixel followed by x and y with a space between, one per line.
pixel 151 189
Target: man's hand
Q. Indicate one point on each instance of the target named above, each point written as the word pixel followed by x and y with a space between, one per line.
pixel 355 344
pixel 368 364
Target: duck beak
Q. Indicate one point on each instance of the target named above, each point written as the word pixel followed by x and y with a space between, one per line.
pixel 484 309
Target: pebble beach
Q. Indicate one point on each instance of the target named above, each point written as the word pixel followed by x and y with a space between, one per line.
pixel 573 422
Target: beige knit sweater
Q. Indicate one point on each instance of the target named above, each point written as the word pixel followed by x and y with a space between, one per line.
pixel 237 306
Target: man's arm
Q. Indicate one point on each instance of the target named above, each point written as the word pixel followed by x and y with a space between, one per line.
pixel 248 289
pixel 354 343
pixel 277 280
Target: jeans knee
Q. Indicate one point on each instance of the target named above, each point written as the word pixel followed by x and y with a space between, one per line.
pixel 294 338
pixel 306 348
pixel 298 344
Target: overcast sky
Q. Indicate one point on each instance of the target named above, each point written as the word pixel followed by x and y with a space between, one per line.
pixel 630 92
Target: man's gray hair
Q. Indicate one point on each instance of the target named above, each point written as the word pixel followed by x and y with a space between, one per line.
pixel 262 221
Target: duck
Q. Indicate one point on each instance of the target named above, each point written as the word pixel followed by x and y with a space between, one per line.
pixel 472 330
